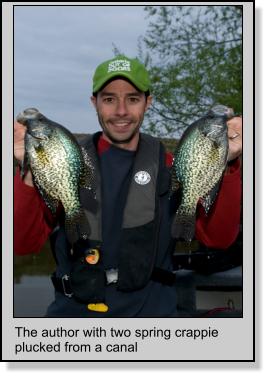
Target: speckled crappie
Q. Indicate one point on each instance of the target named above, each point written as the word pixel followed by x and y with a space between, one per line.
pixel 199 162
pixel 60 167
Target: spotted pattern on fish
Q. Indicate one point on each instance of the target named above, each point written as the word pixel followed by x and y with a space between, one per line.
pixel 60 183
pixel 59 169
pixel 212 165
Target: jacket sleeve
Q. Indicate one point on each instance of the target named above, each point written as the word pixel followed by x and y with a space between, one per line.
pixel 33 221
pixel 220 228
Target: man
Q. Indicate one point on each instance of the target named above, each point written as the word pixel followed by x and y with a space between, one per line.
pixel 131 220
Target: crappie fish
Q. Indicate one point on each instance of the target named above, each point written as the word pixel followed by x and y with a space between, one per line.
pixel 199 162
pixel 59 167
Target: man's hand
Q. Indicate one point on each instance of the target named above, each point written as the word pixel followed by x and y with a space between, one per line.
pixel 19 149
pixel 235 138
pixel 19 132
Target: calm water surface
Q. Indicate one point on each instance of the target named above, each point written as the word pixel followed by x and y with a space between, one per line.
pixel 33 290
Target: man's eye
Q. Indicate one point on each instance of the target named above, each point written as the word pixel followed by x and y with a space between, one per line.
pixel 134 99
pixel 108 99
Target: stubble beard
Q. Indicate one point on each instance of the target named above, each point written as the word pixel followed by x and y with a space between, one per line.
pixel 112 138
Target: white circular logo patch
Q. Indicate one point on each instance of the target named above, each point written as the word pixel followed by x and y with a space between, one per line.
pixel 142 177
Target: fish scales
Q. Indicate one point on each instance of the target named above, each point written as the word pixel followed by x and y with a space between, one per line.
pixel 199 163
pixel 195 178
pixel 59 167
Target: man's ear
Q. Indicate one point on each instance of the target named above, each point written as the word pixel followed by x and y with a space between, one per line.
pixel 149 102
pixel 94 101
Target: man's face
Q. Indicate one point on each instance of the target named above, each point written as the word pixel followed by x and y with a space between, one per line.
pixel 120 109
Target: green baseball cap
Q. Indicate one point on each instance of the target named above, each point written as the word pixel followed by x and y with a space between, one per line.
pixel 131 69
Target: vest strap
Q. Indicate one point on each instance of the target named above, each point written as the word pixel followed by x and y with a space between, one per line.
pixel 159 275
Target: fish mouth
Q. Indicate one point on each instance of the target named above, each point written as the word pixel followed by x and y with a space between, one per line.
pixel 222 111
pixel 230 113
pixel 26 114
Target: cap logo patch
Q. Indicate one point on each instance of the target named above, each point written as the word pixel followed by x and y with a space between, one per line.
pixel 119 65
pixel 142 177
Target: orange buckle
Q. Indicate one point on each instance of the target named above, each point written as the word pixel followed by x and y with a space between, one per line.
pixel 92 256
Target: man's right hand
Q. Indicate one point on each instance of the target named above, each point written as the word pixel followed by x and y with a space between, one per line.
pixel 19 149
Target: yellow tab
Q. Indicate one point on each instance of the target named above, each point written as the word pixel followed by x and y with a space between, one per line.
pixel 100 307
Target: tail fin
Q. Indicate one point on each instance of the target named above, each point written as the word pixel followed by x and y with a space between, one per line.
pixel 183 226
pixel 77 226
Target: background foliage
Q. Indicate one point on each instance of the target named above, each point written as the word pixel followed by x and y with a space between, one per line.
pixel 194 56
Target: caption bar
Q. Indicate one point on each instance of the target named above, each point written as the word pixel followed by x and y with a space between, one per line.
pixel 98 339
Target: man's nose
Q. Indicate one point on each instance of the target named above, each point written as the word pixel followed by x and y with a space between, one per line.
pixel 121 107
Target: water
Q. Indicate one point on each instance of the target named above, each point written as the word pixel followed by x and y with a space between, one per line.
pixel 33 290
pixel 32 296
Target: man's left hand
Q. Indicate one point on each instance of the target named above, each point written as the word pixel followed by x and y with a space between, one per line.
pixel 235 138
